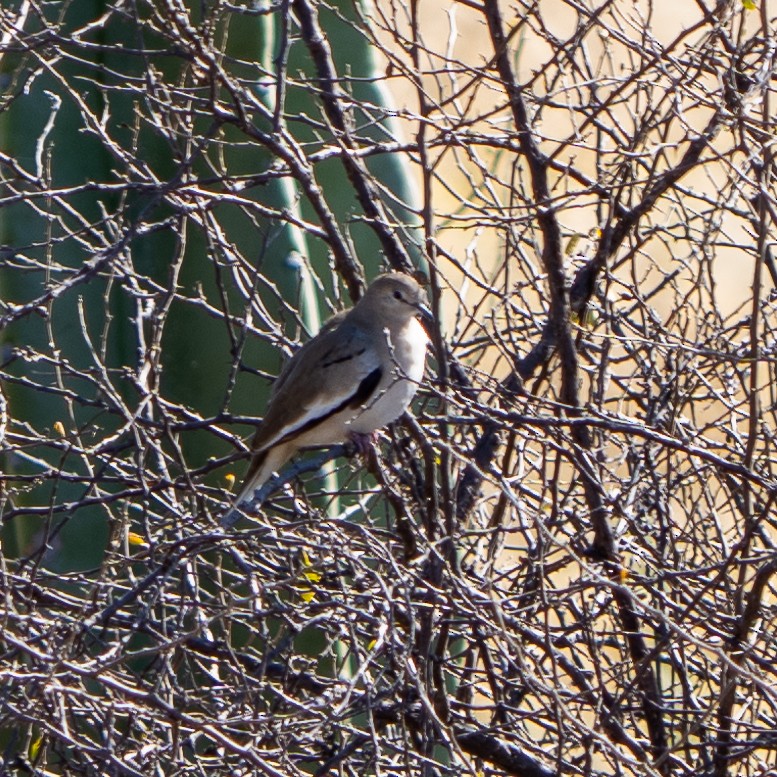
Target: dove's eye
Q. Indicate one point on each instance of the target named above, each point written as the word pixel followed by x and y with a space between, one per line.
pixel 397 294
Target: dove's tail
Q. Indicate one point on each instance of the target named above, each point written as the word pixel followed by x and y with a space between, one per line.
pixel 262 466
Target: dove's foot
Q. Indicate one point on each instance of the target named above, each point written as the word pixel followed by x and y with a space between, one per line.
pixel 363 442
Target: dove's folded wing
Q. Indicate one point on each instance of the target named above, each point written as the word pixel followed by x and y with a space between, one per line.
pixel 340 369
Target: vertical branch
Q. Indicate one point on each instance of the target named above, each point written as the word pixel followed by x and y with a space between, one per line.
pixel 332 99
pixel 747 604
pixel 552 253
pixel 552 257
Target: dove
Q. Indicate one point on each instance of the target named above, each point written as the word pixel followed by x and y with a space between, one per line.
pixel 358 374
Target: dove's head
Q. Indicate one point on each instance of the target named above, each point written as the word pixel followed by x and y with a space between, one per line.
pixel 396 298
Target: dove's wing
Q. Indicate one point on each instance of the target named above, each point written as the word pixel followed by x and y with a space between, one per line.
pixel 337 369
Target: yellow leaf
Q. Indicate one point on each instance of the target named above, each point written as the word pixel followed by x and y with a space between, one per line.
pixel 312 576
pixel 589 319
pixel 372 644
pixel 229 479
pixel 59 428
pixel 135 539
pixel 35 746
pixel 749 5
pixel 624 575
